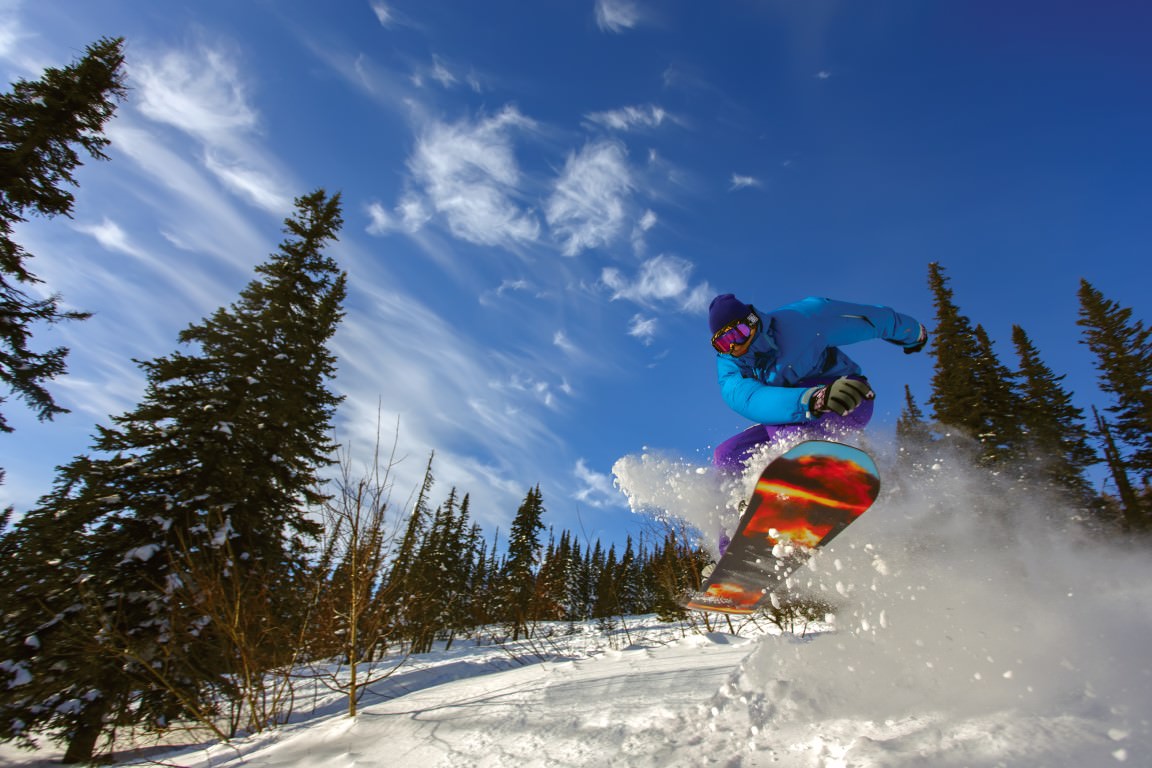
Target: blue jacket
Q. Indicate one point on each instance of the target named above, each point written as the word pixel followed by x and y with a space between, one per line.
pixel 796 347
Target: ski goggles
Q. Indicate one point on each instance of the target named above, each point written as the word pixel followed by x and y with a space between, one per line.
pixel 735 333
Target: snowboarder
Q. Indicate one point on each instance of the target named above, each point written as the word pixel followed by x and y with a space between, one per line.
pixel 785 371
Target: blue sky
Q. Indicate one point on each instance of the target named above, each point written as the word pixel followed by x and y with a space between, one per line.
pixel 542 197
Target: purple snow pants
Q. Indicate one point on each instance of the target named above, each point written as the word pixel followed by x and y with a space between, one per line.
pixel 733 452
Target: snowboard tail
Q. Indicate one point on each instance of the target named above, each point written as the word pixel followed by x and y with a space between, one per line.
pixel 802 501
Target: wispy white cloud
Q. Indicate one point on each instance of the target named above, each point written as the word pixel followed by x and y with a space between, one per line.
pixel 739 181
pixel 512 285
pixel 202 92
pixel 643 225
pixel 663 279
pixel 441 384
pixel 483 413
pixel 468 174
pixel 9 34
pixel 383 13
pixel 643 328
pixel 630 118
pixel 539 389
pixel 441 72
pixel 588 205
pixel 507 287
pixel 199 92
pixel 112 237
pixel 380 222
pixel 182 197
pixel 17 45
pixel 198 290
pixel 617 15
pixel 252 184
pixel 409 215
pixel 596 488
pixel 560 339
pixel 390 17
pixel 823 75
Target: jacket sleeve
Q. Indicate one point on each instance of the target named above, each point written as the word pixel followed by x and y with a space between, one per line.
pixel 842 322
pixel 759 402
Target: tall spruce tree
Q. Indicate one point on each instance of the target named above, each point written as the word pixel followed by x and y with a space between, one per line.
pixel 971 390
pixel 954 387
pixel 1123 350
pixel 628 581
pixel 43 123
pixel 552 580
pixel 523 556
pixel 997 390
pixel 607 585
pixel 1055 432
pixel 398 603
pixel 144 582
pixel 414 532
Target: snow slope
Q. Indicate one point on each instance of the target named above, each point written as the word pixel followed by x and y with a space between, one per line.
pixel 959 640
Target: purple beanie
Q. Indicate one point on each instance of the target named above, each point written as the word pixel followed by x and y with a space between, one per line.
pixel 724 309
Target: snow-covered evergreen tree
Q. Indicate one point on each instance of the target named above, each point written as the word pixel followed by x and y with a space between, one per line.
pixel 161 567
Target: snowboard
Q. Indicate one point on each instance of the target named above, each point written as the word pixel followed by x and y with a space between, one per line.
pixel 802 501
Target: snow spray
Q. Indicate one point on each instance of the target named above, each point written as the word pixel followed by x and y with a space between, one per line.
pixel 975 625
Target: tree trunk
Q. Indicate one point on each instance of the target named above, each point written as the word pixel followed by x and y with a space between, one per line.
pixel 82 745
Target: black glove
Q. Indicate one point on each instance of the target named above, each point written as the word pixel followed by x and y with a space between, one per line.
pixel 840 397
pixel 915 346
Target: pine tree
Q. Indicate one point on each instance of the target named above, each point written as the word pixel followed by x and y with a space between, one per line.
pixel 971 390
pixel 580 583
pixel 996 389
pixel 552 582
pixel 675 570
pixel 173 573
pixel 523 556
pixel 1054 429
pixel 607 586
pixel 413 536
pixel 487 607
pixel 954 388
pixel 475 583
pixel 397 601
pixel 42 123
pixel 911 427
pixel 441 573
pixel 1123 350
pixel 628 588
pixel 915 441
pixel 424 600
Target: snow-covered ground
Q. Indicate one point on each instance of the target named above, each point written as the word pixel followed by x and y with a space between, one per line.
pixel 959 640
pixel 825 698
